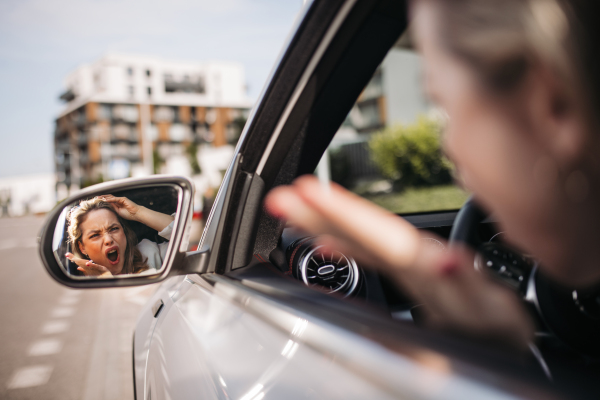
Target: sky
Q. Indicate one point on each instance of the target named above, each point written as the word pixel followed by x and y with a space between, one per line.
pixel 41 41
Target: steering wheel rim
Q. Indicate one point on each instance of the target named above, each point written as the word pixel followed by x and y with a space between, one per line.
pixel 464 229
pixel 556 305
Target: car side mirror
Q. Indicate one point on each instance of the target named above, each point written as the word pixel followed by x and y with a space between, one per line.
pixel 122 233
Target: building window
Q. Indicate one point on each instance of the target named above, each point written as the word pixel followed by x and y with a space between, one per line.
pixel 149 90
pixel 186 85
pixel 97 81
pixel 148 73
pixel 129 71
pixel 131 90
pixel 105 112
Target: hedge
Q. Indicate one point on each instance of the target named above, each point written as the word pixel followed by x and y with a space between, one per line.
pixel 410 155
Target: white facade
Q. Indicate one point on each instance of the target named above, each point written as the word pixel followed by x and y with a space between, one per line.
pixel 27 194
pixel 131 115
pixel 120 78
pixel 393 96
pixel 402 83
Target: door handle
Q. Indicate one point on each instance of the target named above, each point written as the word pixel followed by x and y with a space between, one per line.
pixel 157 308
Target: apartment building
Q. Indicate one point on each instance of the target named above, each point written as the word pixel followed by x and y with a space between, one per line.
pixel 394 95
pixel 129 115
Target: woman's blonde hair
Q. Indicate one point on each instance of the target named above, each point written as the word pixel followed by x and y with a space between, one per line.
pixel 503 39
pixel 134 261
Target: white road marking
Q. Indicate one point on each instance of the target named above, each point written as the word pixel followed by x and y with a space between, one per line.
pixel 137 295
pixel 45 347
pixel 68 300
pixel 55 327
pixel 20 223
pixel 8 244
pixel 14 243
pixel 61 312
pixel 34 375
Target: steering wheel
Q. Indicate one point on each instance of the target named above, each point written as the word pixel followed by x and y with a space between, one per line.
pixel 573 316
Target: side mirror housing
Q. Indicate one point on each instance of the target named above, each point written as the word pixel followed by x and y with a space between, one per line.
pixel 127 232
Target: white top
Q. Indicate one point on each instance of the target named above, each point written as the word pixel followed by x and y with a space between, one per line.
pixel 155 252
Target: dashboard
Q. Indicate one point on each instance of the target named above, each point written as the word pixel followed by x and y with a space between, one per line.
pixel 567 321
pixel 340 274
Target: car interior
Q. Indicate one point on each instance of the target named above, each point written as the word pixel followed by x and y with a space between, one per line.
pixel 265 254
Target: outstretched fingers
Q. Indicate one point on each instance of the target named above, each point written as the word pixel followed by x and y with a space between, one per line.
pixel 92 269
pixel 75 259
pixel 372 233
pixel 88 267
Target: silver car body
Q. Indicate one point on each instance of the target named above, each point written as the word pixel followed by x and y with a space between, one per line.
pixel 215 339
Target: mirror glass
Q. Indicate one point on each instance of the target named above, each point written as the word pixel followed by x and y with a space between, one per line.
pixel 116 234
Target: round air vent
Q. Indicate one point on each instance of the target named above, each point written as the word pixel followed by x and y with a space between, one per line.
pixel 333 271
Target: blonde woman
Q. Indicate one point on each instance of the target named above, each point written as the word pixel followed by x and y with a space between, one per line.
pixel 520 83
pixel 103 243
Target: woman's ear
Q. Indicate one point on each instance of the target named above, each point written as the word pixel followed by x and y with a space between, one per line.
pixel 556 117
pixel 82 248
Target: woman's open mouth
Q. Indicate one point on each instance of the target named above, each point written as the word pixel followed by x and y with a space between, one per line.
pixel 113 255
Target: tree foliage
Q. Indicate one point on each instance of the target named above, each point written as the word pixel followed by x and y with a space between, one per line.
pixel 410 155
pixel 192 153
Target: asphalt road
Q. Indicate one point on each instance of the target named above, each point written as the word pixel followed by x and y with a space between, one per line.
pixel 55 342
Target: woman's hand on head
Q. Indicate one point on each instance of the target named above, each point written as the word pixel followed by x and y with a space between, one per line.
pixel 123 206
pixel 129 210
pixel 88 267
pixel 455 296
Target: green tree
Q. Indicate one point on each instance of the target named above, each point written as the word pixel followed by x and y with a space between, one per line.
pixel 410 155
pixel 192 153
pixel 157 161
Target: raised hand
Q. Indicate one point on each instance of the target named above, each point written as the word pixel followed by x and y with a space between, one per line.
pixel 123 206
pixel 88 267
pixel 129 210
pixel 455 296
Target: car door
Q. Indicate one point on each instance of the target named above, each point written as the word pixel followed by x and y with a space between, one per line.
pixel 160 302
pixel 255 336
pixel 211 346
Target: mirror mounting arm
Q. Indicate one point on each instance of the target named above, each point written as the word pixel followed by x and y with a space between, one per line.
pixel 193 262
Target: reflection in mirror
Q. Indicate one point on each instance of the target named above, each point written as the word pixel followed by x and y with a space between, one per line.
pixel 116 234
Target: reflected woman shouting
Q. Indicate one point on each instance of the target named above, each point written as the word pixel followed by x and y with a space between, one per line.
pixel 103 243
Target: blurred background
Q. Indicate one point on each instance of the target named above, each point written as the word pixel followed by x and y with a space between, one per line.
pixel 101 90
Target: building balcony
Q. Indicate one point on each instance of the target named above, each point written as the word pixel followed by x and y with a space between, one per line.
pixel 126 113
pixel 185 86
pixel 124 133
pixel 62 146
pixel 67 96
